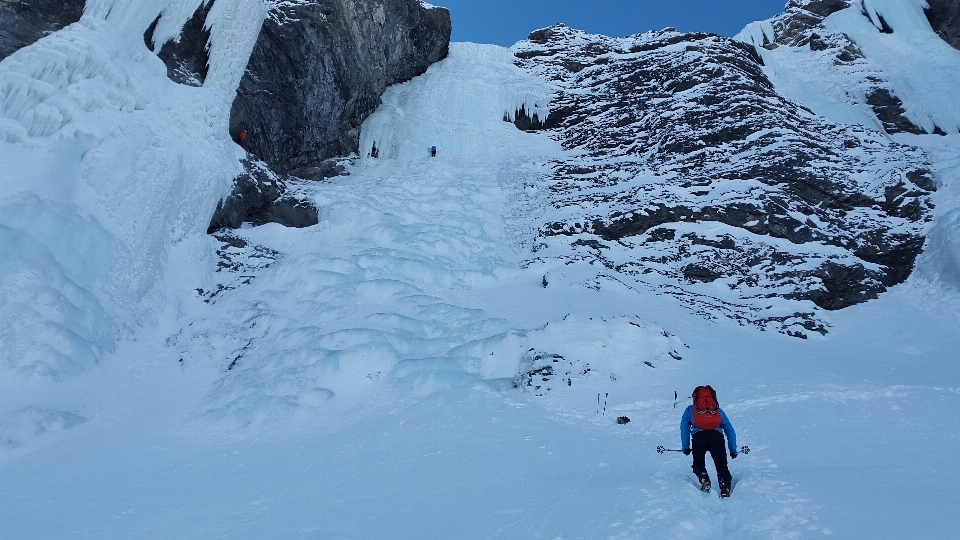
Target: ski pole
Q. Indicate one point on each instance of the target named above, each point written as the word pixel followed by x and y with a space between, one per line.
pixel 660 449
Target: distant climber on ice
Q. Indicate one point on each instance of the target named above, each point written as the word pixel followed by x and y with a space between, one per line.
pixel 243 137
pixel 705 422
pixel 433 151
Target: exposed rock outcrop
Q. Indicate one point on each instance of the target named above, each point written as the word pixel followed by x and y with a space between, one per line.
pixel 186 57
pixel 944 17
pixel 889 110
pixel 261 196
pixel 319 68
pixel 688 170
pixel 23 22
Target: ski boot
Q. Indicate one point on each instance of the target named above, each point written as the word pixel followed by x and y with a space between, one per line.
pixel 724 489
pixel 704 483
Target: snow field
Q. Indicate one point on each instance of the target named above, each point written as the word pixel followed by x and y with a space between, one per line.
pixel 362 298
pixel 836 430
pixel 359 383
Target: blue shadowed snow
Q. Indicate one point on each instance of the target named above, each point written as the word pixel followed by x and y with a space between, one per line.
pixel 383 374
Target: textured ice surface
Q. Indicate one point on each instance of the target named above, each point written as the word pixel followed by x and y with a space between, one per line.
pixel 106 164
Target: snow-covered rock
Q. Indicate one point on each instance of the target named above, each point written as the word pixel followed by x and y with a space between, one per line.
pixel 260 196
pixel 185 52
pixel 856 61
pixel 689 173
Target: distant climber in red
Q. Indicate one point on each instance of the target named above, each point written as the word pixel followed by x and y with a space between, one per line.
pixel 243 137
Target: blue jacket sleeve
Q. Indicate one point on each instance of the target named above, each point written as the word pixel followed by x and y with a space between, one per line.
pixel 685 423
pixel 728 430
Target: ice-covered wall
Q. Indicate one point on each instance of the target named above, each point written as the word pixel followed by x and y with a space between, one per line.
pixel 483 86
pixel 106 164
pixel 945 246
pixel 923 69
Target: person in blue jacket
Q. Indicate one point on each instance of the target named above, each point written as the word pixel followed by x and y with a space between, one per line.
pixel 708 440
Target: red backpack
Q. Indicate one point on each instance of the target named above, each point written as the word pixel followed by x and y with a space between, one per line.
pixel 706 410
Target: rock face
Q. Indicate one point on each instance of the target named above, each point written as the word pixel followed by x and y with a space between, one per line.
pixel 317 71
pixel 319 68
pixel 691 175
pixel 261 196
pixel 23 22
pixel 944 17
pixel 186 57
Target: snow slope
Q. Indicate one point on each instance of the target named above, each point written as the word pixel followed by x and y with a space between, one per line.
pixel 383 373
pixel 922 70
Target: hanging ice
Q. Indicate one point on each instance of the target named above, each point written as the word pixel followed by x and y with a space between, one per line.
pixel 483 86
pixel 106 164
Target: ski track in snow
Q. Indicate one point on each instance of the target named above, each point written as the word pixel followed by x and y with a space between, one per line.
pixel 361 385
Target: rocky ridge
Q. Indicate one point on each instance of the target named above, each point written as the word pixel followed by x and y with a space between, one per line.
pixel 688 173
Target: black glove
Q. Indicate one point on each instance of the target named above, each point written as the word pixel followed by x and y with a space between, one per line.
pixel 686 451
pixel 733 455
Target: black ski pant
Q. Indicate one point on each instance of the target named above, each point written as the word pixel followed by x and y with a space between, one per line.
pixel 711 441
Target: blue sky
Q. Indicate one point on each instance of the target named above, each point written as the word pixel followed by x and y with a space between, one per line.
pixel 505 22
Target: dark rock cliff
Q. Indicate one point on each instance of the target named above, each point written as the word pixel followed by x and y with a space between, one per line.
pixel 187 56
pixel 23 22
pixel 318 70
pixel 261 196
pixel 690 174
pixel 944 17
